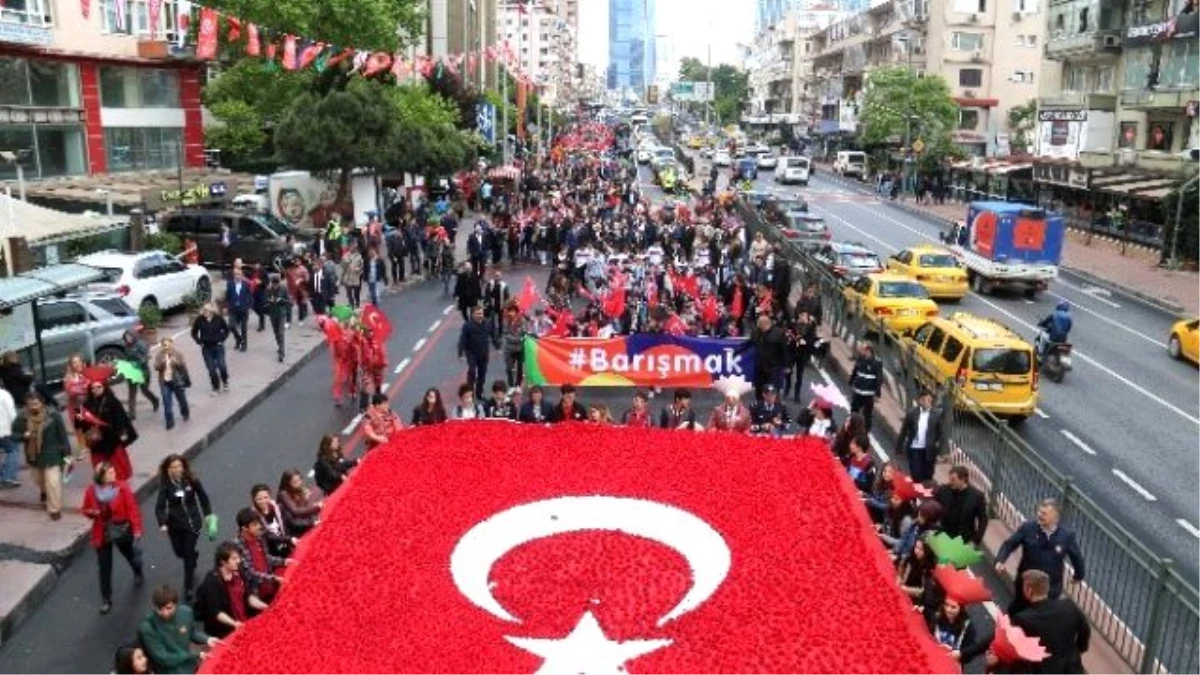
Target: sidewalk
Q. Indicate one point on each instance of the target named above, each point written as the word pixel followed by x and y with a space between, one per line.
pixel 1130 268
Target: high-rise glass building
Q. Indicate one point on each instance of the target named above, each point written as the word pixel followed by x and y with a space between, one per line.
pixel 632 57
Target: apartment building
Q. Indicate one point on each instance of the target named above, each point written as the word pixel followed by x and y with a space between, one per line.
pixel 545 44
pixel 990 52
pixel 457 27
pixel 780 62
pixel 87 95
pixel 1123 122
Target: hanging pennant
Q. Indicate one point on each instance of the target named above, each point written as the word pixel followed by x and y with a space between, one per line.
pixel 425 67
pixel 85 6
pixel 253 48
pixel 310 53
pixel 183 22
pixel 360 60
pixel 289 52
pixel 379 62
pixel 206 39
pixel 155 9
pixel 339 56
pixel 235 29
pixel 398 66
pixel 322 61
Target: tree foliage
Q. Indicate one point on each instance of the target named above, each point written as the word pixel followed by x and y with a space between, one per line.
pixel 1022 119
pixel 240 134
pixel 375 25
pixel 730 85
pixel 896 101
pixel 1187 246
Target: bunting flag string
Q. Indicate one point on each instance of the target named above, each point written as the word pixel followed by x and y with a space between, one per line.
pixel 292 52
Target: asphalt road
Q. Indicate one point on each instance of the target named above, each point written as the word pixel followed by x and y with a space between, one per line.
pixel 1123 424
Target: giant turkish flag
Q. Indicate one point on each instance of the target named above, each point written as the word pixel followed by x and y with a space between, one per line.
pixel 486 547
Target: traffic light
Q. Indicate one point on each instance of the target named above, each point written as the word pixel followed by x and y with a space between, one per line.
pixel 652 94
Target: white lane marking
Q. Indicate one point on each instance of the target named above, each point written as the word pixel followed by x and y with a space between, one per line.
pixel 434 325
pixel 1118 324
pixel 420 343
pixel 1041 413
pixel 1195 531
pixel 1080 444
pixel 1134 484
pixel 349 429
pixel 401 366
pixel 1083 357
pixel 1096 293
pixel 449 308
pixel 883 455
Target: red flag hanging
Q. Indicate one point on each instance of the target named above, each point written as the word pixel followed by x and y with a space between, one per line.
pixel 85 6
pixel 522 95
pixel 155 9
pixel 253 48
pixel 310 53
pixel 289 52
pixel 235 29
pixel 206 39
pixel 379 62
pixel 378 322
pixel 399 66
pixel 271 49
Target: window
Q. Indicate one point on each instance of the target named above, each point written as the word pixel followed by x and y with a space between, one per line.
pixel 953 350
pixel 970 77
pixel 137 18
pixel 61 315
pixel 967 42
pixel 139 88
pixel 53 84
pixel 60 150
pixel 135 149
pixel 1002 361
pixel 1083 21
pixel 935 340
pixel 29 12
pixel 1140 65
pixel 14 81
pixel 1025 76
pixel 968 119
pixel 1180 64
pixel 1025 6
pixel 1060 24
pixel 1127 137
pixel 1026 40
pixel 1159 135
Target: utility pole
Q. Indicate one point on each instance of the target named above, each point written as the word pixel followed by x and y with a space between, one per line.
pixel 908 115
pixel 708 79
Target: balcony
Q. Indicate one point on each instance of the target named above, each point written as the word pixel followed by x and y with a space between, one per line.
pixel 1080 100
pixel 1099 44
pixel 1145 99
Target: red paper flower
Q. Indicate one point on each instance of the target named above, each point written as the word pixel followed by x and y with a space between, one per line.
pixel 960 585
pixel 482 546
pixel 1011 644
pixel 904 487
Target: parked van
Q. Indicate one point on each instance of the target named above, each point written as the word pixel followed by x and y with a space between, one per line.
pixel 258 237
pixel 992 365
pixel 851 163
pixel 793 170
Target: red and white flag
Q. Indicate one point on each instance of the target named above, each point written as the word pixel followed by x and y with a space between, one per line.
pixel 206 39
pixel 155 10
pixel 120 13
pixel 485 547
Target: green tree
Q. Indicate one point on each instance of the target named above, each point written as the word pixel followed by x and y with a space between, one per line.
pixel 1021 121
pixel 1187 245
pixel 729 83
pixel 897 103
pixel 239 134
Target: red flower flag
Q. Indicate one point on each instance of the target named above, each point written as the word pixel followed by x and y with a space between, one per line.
pixel 377 321
pixel 961 586
pixel 289 53
pixel 155 9
pixel 235 29
pixel 206 39
pixel 904 487
pixel 579 548
pixel 528 296
pixel 253 47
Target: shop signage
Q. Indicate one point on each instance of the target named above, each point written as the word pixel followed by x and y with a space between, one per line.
pixel 1062 116
pixel 1184 26
pixel 157 200
pixel 25 34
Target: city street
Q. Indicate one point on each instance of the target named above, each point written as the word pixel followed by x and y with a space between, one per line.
pixel 1124 422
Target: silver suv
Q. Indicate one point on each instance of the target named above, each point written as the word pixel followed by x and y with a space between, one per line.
pixel 91 324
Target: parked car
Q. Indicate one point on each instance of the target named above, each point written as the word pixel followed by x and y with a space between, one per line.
pixel 149 278
pixel 848 260
pixel 91 324
pixel 805 228
pixel 258 237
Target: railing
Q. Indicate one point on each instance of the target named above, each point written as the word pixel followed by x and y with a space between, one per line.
pixel 1134 599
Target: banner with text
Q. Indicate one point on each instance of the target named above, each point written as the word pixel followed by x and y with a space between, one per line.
pixel 642 360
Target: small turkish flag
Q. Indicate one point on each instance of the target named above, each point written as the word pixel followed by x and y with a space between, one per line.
pixel 497 547
pixel 206 40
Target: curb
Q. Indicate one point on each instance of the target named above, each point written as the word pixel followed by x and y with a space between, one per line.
pixel 60 560
pixel 1161 304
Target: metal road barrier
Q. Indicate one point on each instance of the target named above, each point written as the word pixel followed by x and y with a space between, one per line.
pixel 1134 599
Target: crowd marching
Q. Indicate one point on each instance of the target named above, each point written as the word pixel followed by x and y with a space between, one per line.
pixel 618 265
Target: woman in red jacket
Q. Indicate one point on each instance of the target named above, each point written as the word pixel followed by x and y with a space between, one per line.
pixel 116 521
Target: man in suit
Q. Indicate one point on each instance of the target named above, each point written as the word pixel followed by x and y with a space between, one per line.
pixel 477 249
pixel 239 298
pixel 324 285
pixel 964 508
pixel 474 346
pixel 495 295
pixel 920 438
pixel 1045 547
pixel 1056 622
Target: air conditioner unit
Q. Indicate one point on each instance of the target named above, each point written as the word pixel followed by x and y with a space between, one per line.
pixel 968 93
pixel 973 18
pixel 977 57
pixel 1017 17
pixel 1111 41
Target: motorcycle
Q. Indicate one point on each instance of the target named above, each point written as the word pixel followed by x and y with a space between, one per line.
pixel 1055 357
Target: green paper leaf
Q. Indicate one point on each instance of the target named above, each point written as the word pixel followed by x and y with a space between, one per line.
pixel 131 372
pixel 342 312
pixel 954 551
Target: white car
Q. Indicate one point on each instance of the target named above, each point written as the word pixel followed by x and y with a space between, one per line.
pixel 793 170
pixel 149 278
pixel 767 160
pixel 722 158
pixel 645 153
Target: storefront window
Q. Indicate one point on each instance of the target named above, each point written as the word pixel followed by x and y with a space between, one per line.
pixel 1139 64
pixel 142 149
pixel 15 138
pixel 139 88
pixel 968 119
pixel 1180 65
pixel 52 150
pixel 14 82
pixel 54 84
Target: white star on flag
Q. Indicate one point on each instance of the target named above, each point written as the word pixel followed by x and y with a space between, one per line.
pixel 586 651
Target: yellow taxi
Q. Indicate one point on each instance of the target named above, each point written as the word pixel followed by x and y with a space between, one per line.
pixel 1184 342
pixel 899 302
pixel 994 367
pixel 934 268
pixel 695 142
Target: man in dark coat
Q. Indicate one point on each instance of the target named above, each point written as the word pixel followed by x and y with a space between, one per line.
pixel 964 508
pixel 568 409
pixel 477 249
pixel 866 382
pixel 467 290
pixel 1045 546
pixel 920 438
pixel 474 346
pixel 770 351
pixel 239 298
pixel 324 285
pixel 1056 622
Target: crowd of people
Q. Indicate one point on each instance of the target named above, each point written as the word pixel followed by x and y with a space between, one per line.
pixel 618 265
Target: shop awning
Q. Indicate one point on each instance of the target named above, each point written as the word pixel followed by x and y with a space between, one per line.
pixel 965 102
pixel 1143 188
pixel 1005 169
pixel 39 225
pixel 45 281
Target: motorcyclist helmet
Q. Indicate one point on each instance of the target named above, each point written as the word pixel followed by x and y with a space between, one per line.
pixel 1063 306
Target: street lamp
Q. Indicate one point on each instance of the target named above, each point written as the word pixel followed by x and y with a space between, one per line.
pixel 908 116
